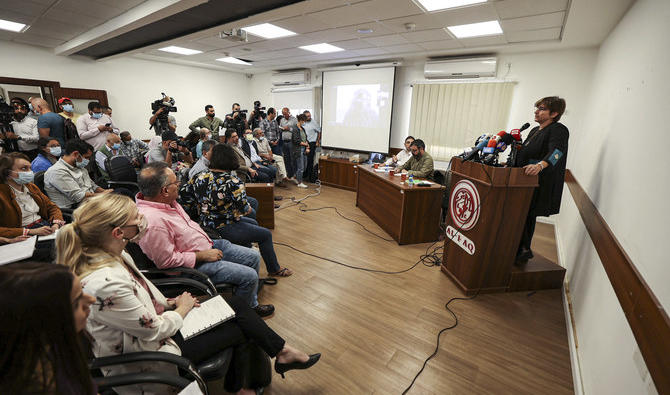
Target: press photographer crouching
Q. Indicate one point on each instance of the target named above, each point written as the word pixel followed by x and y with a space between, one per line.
pixel 171 150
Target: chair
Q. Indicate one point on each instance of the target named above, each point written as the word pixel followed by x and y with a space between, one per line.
pixel 172 281
pixel 121 173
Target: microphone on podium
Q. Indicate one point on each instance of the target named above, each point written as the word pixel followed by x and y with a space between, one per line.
pixel 516 144
pixel 481 143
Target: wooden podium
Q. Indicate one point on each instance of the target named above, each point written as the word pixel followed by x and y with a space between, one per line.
pixel 487 212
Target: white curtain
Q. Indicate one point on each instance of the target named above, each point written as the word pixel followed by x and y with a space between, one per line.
pixel 449 117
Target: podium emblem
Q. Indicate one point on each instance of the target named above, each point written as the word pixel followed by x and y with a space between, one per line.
pixel 464 205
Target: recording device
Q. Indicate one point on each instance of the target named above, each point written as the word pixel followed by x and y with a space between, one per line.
pixel 161 122
pixel 179 144
pixel 6 117
pixel 517 145
pixel 480 144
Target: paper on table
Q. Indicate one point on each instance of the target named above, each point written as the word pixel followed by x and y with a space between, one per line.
pixel 16 251
pixel 48 237
pixel 191 389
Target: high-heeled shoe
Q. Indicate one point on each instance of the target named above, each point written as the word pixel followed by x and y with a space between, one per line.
pixel 282 368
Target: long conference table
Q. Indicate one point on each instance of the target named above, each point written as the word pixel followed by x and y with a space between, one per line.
pixel 410 214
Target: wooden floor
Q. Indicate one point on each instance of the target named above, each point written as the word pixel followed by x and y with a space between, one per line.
pixel 375 330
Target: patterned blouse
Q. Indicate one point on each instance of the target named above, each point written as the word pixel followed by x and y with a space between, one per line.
pixel 215 198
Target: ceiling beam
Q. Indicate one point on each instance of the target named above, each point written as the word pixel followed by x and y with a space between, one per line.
pixel 148 12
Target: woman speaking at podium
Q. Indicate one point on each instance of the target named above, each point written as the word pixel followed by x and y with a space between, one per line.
pixel 544 153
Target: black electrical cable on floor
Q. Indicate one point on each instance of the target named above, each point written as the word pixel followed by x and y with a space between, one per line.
pixel 427 259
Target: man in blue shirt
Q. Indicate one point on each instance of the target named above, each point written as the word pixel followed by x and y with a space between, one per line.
pixel 49 124
pixel 313 131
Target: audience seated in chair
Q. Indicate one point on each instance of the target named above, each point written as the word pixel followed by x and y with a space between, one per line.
pixel 132 314
pixel 26 211
pixel 40 352
pixel 174 240
pixel 107 151
pixel 265 152
pixel 218 199
pixel 67 182
pixel 49 153
pixel 247 168
pixel 202 164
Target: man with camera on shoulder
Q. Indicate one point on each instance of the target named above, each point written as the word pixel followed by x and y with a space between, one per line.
pixel 161 120
pixel 236 120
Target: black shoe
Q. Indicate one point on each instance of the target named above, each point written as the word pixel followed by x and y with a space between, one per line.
pixel 264 310
pixel 523 256
pixel 282 368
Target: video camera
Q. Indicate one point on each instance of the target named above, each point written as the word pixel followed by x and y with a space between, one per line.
pixel 168 105
pixel 6 117
pixel 179 144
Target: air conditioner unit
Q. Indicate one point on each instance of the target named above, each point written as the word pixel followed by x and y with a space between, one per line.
pixel 291 78
pixel 460 68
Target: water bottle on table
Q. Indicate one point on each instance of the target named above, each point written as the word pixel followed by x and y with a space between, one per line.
pixel 410 180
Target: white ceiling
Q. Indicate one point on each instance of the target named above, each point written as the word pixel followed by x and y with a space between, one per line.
pixel 528 25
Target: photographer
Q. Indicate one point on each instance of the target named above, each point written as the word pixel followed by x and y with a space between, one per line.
pixel 257 115
pixel 160 119
pixel 209 121
pixel 236 120
pixel 25 128
pixel 170 151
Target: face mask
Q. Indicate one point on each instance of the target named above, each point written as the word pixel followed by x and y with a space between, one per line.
pixel 209 137
pixel 261 138
pixel 141 231
pixel 19 116
pixel 249 137
pixel 96 115
pixel 212 115
pixel 30 107
pixel 116 146
pixel 55 151
pixel 83 163
pixel 68 107
pixel 25 177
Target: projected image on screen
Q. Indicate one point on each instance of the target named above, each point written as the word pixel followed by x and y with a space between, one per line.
pixel 357 109
pixel 359 105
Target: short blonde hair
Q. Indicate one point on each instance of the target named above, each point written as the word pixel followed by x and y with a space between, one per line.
pixel 79 245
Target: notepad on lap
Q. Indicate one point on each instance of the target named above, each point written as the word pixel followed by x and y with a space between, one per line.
pixel 14 252
pixel 210 314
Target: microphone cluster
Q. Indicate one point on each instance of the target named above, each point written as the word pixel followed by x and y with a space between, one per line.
pixel 487 147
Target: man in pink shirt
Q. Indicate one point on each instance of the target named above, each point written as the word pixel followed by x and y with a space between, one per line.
pixel 174 240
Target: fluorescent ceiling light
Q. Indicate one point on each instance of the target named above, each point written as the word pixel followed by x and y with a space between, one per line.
pixel 476 29
pixel 435 5
pixel 268 31
pixel 321 48
pixel 232 60
pixel 180 50
pixel 13 26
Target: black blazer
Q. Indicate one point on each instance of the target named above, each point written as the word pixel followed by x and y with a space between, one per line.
pixel 550 145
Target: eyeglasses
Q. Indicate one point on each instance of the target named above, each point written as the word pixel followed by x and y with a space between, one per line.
pixel 172 183
pixel 541 108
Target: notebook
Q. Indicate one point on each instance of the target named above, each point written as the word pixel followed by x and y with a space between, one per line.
pixel 211 313
pixel 14 252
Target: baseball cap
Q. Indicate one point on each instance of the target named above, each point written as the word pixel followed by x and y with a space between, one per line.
pixel 62 99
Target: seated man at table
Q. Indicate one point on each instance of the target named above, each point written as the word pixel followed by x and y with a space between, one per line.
pixel 420 165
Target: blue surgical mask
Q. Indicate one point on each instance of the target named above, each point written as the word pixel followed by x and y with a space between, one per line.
pixel 116 145
pixel 82 164
pixel 25 177
pixel 68 107
pixel 55 151
pixel 30 106
pixel 96 115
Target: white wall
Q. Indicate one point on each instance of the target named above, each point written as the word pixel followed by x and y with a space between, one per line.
pixel 618 157
pixel 132 84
